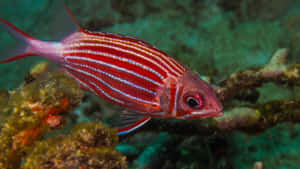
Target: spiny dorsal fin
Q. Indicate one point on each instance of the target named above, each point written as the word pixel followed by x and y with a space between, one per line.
pixel 62 21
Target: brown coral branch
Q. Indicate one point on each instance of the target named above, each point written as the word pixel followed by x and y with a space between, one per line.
pixel 276 71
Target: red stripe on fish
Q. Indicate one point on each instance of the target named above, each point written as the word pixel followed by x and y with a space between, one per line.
pixel 117 95
pixel 131 51
pixel 137 45
pixel 121 84
pixel 119 62
pixel 133 77
pixel 87 83
pixel 131 56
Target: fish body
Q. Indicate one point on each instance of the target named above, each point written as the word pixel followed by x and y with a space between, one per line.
pixel 123 70
pixel 126 71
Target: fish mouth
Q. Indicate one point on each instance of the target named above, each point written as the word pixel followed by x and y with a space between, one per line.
pixel 203 114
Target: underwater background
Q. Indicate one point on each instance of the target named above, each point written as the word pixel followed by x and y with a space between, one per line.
pixel 227 42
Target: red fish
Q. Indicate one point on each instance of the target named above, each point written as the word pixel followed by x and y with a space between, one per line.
pixel 125 71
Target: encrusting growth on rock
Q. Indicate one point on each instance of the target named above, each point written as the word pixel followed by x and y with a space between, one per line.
pixel 90 146
pixel 32 110
pixel 42 104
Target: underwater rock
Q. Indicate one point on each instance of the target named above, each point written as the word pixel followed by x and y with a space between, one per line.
pixel 32 110
pixel 90 145
pixel 41 105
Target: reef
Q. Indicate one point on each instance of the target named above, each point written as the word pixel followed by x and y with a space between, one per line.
pixel 40 106
pixel 231 43
pixel 90 145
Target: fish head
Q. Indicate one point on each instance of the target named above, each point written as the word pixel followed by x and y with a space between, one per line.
pixel 196 98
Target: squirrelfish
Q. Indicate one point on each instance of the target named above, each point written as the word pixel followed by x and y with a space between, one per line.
pixel 125 71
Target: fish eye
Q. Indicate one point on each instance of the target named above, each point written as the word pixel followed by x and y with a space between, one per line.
pixel 194 102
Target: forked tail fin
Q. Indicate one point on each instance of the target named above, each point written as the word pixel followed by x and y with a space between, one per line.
pixel 64 25
pixel 22 48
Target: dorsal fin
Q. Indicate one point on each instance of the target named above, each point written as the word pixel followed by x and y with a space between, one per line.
pixel 73 17
pixel 62 21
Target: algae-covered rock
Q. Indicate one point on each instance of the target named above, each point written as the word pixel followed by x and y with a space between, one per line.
pixel 42 104
pixel 31 111
pixel 90 145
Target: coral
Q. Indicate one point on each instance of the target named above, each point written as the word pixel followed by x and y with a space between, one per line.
pixel 90 145
pixel 33 109
pixel 276 71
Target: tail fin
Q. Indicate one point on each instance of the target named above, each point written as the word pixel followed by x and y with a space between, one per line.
pixel 64 25
pixel 22 48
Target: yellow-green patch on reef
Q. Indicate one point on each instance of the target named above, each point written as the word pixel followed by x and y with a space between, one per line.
pixel 91 145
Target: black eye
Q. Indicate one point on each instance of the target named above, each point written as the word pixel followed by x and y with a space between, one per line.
pixel 192 102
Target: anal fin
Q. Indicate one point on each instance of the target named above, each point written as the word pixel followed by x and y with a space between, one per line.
pixel 132 122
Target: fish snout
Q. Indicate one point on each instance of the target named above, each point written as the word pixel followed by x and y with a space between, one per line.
pixel 216 107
